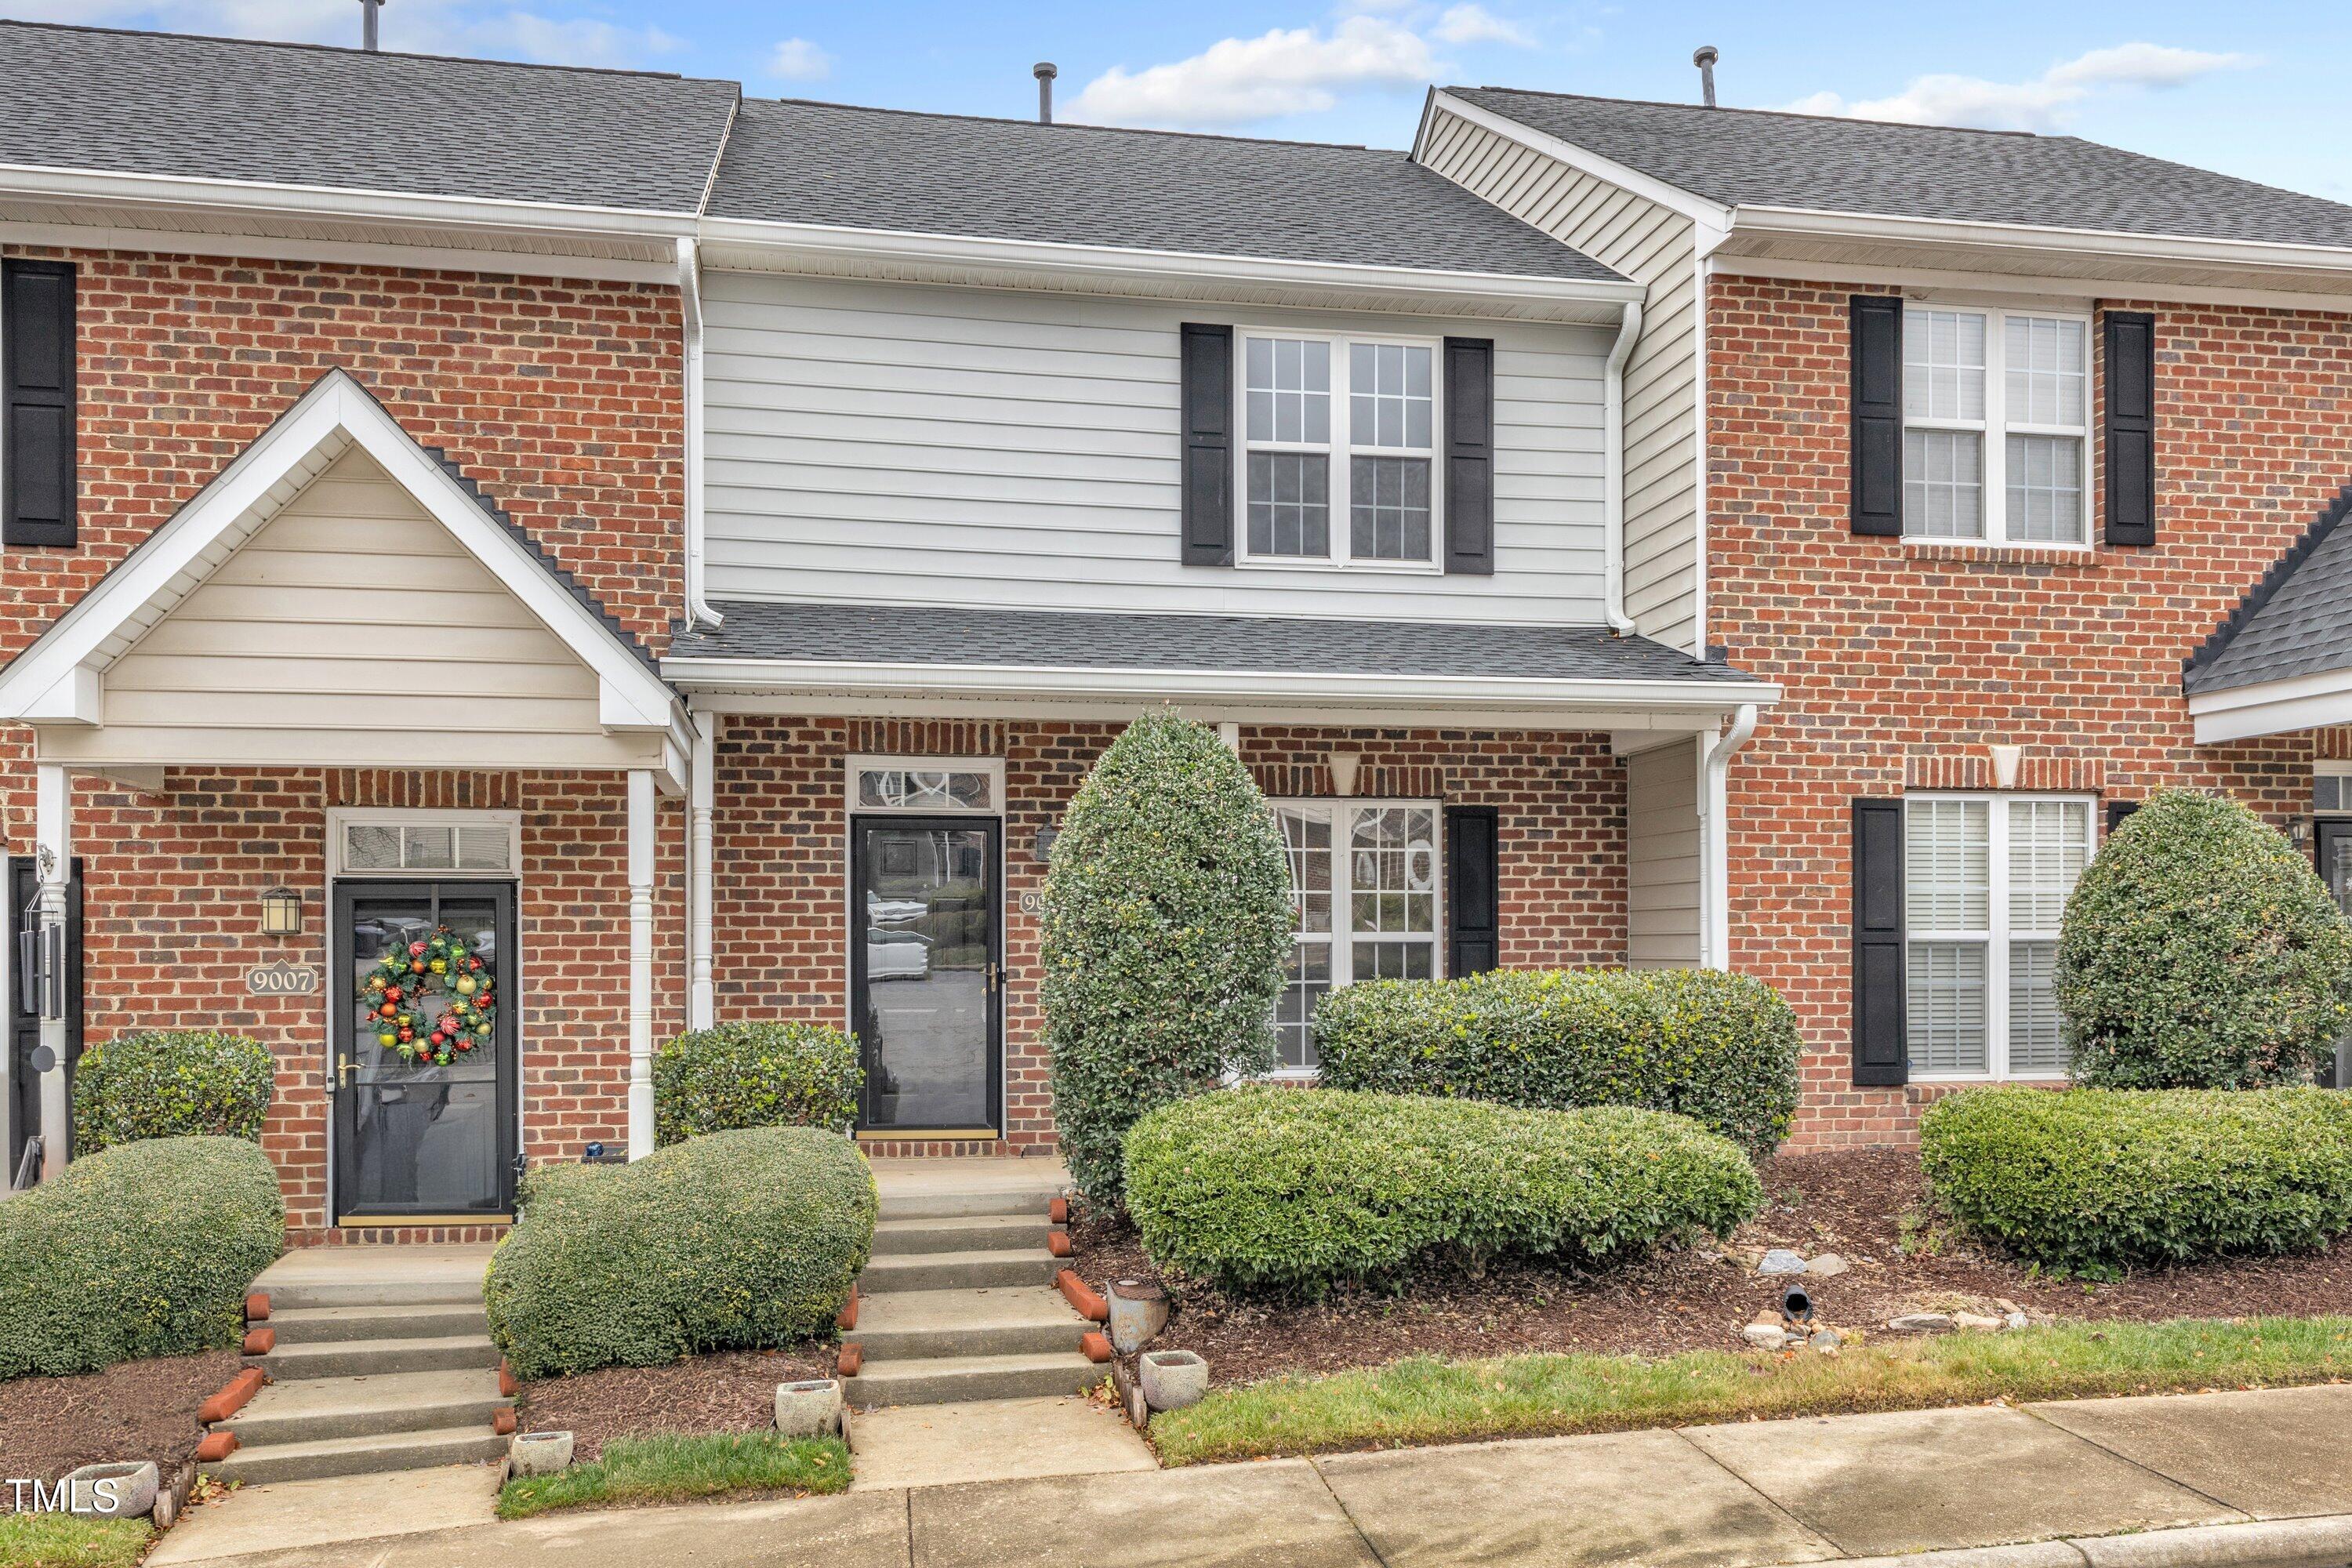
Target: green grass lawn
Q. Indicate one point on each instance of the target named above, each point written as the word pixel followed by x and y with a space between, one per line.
pixel 62 1541
pixel 1429 1401
pixel 679 1467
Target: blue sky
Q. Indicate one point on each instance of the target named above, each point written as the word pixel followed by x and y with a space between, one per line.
pixel 2253 87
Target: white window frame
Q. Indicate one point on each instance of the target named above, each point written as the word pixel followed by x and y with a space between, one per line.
pixel 2329 769
pixel 1338 452
pixel 340 819
pixel 1997 935
pixel 991 766
pixel 1993 430
pixel 1343 809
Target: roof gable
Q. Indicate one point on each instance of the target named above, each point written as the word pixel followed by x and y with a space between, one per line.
pixel 2296 621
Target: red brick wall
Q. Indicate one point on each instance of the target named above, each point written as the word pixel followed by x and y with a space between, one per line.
pixel 780 921
pixel 1903 661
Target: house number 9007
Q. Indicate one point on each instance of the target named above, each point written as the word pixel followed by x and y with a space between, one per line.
pixel 281 980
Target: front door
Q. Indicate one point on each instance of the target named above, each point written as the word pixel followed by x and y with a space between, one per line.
pixel 924 972
pixel 24 1108
pixel 425 1080
pixel 2333 844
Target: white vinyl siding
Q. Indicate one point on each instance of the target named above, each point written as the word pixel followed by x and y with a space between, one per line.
pixel 1654 246
pixel 902 444
pixel 1662 858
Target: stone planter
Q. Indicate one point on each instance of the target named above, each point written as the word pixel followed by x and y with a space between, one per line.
pixel 1139 1311
pixel 113 1491
pixel 811 1409
pixel 1173 1379
pixel 538 1453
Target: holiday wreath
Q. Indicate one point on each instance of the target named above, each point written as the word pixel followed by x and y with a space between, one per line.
pixel 440 977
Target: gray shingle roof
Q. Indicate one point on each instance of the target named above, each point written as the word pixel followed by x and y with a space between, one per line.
pixel 1747 157
pixel 1080 640
pixel 2296 621
pixel 161 103
pixel 794 161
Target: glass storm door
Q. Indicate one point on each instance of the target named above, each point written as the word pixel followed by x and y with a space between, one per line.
pixel 417 1138
pixel 924 975
pixel 2334 841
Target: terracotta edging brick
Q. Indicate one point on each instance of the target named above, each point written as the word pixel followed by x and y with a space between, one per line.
pixel 1082 1296
pixel 260 1342
pixel 1058 1243
pixel 257 1307
pixel 232 1397
pixel 216 1446
pixel 847 1317
pixel 850 1359
pixel 1097 1345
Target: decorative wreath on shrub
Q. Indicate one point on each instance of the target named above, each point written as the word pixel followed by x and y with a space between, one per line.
pixel 440 979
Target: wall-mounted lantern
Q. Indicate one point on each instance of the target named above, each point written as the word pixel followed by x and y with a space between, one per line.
pixel 1041 848
pixel 282 912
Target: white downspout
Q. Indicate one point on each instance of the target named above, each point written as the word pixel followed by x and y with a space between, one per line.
pixel 1715 839
pixel 1613 505
pixel 690 288
pixel 701 993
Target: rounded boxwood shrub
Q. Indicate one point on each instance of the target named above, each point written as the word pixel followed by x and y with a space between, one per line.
pixel 170 1083
pixel 737 1240
pixel 1719 1048
pixel 145 1249
pixel 2199 950
pixel 2096 1180
pixel 1166 928
pixel 1300 1189
pixel 767 1074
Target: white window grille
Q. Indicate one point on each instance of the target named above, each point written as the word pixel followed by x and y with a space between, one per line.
pixel 1997 417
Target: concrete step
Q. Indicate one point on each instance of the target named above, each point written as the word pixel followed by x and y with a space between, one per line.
pixel 419 1320
pixel 311 1277
pixel 316 1409
pixel 358 1456
pixel 366 1358
pixel 950 1380
pixel 1016 1320
pixel 301 1295
pixel 969 1270
pixel 934 1203
pixel 961 1233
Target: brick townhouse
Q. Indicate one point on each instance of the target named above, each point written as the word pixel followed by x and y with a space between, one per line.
pixel 687 548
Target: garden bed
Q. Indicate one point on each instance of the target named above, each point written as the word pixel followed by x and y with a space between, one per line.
pixel 1868 1205
pixel 132 1410
pixel 732 1391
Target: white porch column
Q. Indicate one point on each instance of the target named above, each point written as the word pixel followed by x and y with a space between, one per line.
pixel 641 962
pixel 1715 838
pixel 53 853
pixel 701 993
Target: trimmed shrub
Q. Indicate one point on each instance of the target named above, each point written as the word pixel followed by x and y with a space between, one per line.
pixel 2199 950
pixel 1300 1189
pixel 2092 1180
pixel 1719 1048
pixel 170 1083
pixel 737 1240
pixel 1166 926
pixel 768 1074
pixel 142 1250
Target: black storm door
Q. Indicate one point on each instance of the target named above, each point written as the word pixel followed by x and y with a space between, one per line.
pixel 2334 847
pixel 926 975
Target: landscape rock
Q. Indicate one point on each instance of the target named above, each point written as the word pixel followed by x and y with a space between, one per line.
pixel 1826 1342
pixel 1923 1323
pixel 1780 1260
pixel 1977 1321
pixel 1828 1266
pixel 2015 1320
pixel 1765 1336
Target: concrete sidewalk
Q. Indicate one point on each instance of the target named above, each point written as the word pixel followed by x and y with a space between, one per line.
pixel 2238 1479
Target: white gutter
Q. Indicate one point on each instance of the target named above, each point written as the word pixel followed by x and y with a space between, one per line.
pixel 1612 380
pixel 1715 840
pixel 1817 224
pixel 699 611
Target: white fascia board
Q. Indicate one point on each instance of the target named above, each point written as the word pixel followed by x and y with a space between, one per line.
pixel 2023 288
pixel 1713 219
pixel 2273 707
pixel 78 698
pixel 499 259
pixel 823 243
pixel 2252 256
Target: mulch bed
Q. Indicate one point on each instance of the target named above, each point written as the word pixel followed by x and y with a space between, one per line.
pixel 137 1410
pixel 1870 1207
pixel 734 1391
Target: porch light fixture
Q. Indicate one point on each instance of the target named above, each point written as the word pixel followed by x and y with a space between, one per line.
pixel 282 912
pixel 1041 848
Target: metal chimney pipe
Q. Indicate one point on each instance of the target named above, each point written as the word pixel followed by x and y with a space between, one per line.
pixel 1045 73
pixel 368 9
pixel 1705 57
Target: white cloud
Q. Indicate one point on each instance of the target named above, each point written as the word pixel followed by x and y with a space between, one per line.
pixel 797 59
pixel 1290 70
pixel 412 27
pixel 1476 25
pixel 2044 103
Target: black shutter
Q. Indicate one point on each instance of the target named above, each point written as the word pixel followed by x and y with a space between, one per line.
pixel 1880 1053
pixel 1473 909
pixel 2117 810
pixel 2130 454
pixel 1877 413
pixel 1470 455
pixel 1208 404
pixel 36 403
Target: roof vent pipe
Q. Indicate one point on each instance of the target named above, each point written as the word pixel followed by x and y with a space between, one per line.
pixel 1045 73
pixel 368 9
pixel 1705 56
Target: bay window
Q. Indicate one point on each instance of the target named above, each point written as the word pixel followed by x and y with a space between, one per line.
pixel 1996 427
pixel 1363 897
pixel 1338 471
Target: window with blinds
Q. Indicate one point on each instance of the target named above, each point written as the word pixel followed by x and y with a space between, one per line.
pixel 1986 879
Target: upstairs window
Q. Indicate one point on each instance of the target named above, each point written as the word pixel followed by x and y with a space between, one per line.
pixel 1338 451
pixel 1996 427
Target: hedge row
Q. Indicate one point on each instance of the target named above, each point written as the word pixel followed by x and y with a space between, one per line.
pixel 1298 1190
pixel 755 1075
pixel 1719 1048
pixel 2096 1180
pixel 170 1083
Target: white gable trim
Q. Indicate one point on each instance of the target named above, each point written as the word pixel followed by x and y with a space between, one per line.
pixel 1713 219
pixel 59 679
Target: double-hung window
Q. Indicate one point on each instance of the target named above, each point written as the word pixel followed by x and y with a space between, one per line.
pixel 1985 881
pixel 1363 896
pixel 1996 427
pixel 1338 455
